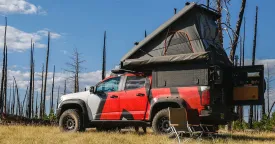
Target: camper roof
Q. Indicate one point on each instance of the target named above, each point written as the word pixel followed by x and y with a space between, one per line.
pixel 164 26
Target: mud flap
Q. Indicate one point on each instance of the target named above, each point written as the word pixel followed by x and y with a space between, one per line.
pixel 248 85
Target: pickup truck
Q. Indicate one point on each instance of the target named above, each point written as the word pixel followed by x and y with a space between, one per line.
pixel 130 100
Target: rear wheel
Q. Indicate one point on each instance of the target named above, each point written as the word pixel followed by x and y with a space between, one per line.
pixel 70 121
pixel 160 123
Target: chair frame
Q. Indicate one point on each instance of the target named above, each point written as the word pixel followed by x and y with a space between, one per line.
pixel 189 127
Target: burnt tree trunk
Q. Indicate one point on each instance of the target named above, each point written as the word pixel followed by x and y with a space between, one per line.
pixel 36 106
pixel 5 80
pixel 57 99
pixel 3 72
pixel 51 106
pixel 219 21
pixel 23 104
pixel 237 31
pixel 32 82
pixel 253 63
pixel 104 58
pixel 46 75
pixel 41 93
pixel 30 85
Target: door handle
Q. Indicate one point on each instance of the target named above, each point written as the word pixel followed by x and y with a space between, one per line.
pixel 140 94
pixel 114 96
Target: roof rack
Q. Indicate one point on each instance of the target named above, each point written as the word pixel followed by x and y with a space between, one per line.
pixel 121 71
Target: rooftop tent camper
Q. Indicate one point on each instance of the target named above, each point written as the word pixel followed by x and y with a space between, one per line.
pixel 186 51
pixel 189 35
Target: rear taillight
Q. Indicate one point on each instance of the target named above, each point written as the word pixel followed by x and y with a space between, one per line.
pixel 205 97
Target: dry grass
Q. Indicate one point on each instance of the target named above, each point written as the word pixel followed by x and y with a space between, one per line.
pixel 28 135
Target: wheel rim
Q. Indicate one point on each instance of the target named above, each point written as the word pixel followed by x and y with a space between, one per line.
pixel 163 125
pixel 68 123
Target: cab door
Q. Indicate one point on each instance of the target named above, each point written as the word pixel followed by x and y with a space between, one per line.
pixel 134 103
pixel 248 85
pixel 108 92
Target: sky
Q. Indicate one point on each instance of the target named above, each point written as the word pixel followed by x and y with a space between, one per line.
pixel 81 24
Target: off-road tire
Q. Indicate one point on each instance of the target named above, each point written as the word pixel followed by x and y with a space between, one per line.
pixel 70 121
pixel 162 114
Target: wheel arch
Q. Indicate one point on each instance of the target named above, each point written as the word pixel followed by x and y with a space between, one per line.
pixel 163 103
pixel 76 104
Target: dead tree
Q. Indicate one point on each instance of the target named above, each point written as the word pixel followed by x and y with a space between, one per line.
pixel 253 63
pixel 13 97
pixel 269 79
pixel 57 99
pixel 36 106
pixel 75 68
pixel 41 93
pixel 51 106
pixel 237 31
pixel 30 84
pixel 270 110
pixel 10 98
pixel 23 104
pixel 3 71
pixel 219 21
pixel 18 99
pixel 46 75
pixel 104 58
pixel 5 79
pixel 32 105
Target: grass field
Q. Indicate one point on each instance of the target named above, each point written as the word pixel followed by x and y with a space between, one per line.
pixel 29 134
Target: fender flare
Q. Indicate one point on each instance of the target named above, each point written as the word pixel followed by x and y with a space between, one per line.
pixel 80 103
pixel 162 100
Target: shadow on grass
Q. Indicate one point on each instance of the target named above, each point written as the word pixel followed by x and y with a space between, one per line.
pixel 244 137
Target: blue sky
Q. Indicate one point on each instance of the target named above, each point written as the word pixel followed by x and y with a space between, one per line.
pixel 81 24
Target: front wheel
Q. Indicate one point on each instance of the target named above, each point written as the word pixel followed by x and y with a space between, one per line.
pixel 160 123
pixel 70 121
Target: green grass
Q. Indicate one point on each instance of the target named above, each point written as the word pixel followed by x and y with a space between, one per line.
pixel 30 134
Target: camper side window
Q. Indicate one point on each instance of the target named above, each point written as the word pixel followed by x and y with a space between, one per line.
pixel 134 82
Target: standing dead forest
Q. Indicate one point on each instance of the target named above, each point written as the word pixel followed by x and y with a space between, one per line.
pixel 31 107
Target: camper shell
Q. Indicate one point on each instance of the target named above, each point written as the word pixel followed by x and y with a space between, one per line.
pixel 186 51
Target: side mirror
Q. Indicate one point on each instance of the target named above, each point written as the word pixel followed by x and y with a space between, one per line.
pixel 92 89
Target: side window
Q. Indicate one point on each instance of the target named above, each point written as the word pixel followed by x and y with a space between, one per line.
pixel 109 85
pixel 134 82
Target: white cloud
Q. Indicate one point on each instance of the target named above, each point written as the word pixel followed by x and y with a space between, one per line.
pixel 19 6
pixel 18 40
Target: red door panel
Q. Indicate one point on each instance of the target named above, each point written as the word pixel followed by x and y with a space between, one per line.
pixel 134 102
pixel 111 109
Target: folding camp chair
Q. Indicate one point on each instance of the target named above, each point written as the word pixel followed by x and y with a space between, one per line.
pixel 178 122
pixel 195 124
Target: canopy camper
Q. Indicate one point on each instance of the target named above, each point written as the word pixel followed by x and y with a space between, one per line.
pixel 190 35
pixel 186 51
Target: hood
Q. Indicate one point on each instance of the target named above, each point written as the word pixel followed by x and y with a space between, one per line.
pixel 80 95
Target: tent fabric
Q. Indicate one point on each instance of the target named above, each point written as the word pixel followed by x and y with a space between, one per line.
pixel 165 59
pixel 184 37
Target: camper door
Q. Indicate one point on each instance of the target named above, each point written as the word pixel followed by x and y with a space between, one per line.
pixel 248 85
